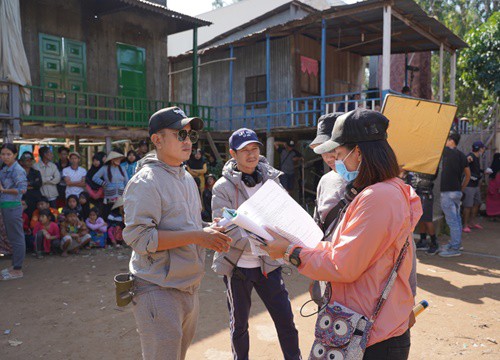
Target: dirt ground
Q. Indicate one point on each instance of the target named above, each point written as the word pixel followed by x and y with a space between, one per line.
pixel 64 309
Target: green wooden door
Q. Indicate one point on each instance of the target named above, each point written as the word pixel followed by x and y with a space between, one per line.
pixel 131 62
pixel 63 63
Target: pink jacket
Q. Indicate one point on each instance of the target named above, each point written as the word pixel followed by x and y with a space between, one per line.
pixel 364 247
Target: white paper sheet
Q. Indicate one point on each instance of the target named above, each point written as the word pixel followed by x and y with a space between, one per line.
pixel 273 207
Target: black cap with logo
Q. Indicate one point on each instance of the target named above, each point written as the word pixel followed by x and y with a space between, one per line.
pixel 356 126
pixel 172 118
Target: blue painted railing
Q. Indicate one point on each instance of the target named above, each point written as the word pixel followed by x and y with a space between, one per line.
pixel 289 113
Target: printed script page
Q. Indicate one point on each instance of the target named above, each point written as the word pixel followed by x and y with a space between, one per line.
pixel 271 206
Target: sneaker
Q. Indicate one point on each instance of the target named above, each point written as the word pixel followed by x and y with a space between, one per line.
pixel 450 253
pixel 477 226
pixel 448 246
pixel 466 229
pixel 422 245
pixel 433 249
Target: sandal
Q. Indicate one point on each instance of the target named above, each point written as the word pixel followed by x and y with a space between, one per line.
pixel 10 276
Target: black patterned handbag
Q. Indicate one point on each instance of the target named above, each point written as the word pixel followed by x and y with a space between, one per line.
pixel 342 333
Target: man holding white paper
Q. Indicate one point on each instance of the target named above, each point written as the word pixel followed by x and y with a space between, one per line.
pixel 242 176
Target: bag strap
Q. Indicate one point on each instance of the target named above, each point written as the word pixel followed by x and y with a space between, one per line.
pixel 390 281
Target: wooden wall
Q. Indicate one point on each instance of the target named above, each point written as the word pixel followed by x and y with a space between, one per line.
pixel 73 20
pixel 344 70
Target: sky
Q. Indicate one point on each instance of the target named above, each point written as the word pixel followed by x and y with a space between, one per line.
pixel 196 7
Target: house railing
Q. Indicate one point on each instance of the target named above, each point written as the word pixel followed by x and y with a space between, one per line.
pixel 92 109
pixel 289 113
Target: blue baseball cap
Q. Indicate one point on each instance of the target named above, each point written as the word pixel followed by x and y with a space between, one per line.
pixel 478 145
pixel 242 137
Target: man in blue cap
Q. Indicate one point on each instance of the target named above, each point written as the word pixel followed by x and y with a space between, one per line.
pixel 472 199
pixel 243 270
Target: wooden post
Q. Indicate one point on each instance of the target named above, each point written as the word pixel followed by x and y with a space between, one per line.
pixel 441 56
pixel 386 50
pixel 270 149
pixel 453 74
pixel 89 156
pixel 109 145
pixel 77 144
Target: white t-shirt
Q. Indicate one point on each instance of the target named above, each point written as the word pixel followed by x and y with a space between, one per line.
pixel 74 176
pixel 247 259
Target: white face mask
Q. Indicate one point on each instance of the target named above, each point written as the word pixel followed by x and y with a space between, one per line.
pixel 341 169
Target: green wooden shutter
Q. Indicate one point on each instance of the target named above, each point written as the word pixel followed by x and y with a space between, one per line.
pixel 62 63
pixel 51 61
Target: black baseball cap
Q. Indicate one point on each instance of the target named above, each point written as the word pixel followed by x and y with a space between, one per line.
pixel 325 128
pixel 172 118
pixel 356 126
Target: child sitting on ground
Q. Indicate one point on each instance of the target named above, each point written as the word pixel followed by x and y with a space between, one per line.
pixel 98 229
pixel 74 233
pixel 42 204
pixel 46 234
pixel 116 223
pixel 85 205
pixel 71 205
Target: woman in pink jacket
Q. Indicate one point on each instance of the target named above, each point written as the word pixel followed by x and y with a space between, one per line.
pixel 369 238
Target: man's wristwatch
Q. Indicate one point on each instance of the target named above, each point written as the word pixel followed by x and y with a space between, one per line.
pixel 292 255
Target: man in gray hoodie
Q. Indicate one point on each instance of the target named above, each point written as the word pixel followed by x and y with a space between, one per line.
pixel 164 228
pixel 241 177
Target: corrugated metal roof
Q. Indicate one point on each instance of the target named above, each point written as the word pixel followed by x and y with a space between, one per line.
pixel 358 28
pixel 177 22
pixel 236 16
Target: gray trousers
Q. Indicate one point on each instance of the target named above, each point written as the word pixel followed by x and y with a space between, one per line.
pixel 166 320
pixel 13 221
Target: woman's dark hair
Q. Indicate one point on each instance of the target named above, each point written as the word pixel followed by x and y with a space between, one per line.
pixel 10 147
pixel 43 150
pixel 72 197
pixel 110 175
pixel 378 163
pixel 62 148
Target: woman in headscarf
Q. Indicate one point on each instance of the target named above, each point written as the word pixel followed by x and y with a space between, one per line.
pixel 95 190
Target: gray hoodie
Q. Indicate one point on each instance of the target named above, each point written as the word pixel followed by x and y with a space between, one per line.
pixel 229 192
pixel 162 197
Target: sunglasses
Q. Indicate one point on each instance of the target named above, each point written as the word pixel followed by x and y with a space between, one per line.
pixel 192 134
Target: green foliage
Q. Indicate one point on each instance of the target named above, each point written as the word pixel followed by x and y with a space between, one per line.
pixel 481 61
pixel 479 66
pixel 464 17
